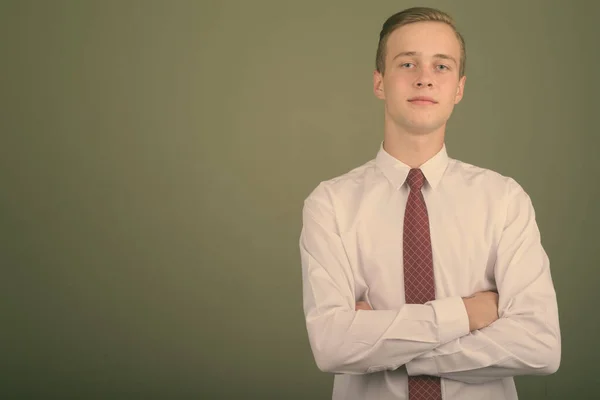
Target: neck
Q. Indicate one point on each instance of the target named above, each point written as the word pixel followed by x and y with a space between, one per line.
pixel 413 149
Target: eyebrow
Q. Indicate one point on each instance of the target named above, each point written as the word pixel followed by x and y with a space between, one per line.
pixel 414 53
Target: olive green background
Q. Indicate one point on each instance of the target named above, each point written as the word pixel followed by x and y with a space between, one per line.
pixel 154 157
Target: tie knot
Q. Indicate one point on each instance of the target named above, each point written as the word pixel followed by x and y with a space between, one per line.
pixel 415 179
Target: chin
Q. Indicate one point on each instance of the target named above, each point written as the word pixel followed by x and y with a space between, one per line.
pixel 423 131
pixel 417 123
pixel 422 128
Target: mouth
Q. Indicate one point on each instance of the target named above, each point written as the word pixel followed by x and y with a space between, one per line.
pixel 422 100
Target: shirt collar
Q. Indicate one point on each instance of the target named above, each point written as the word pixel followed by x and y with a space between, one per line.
pixel 396 171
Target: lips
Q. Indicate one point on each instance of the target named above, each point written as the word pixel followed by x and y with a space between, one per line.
pixel 422 100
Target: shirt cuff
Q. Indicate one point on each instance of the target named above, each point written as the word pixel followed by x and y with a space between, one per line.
pixel 453 323
pixel 422 366
pixel 452 319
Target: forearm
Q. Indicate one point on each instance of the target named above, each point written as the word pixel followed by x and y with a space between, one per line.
pixel 525 340
pixel 357 342
pixel 503 349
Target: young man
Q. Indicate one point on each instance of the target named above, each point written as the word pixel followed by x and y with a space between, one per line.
pixel 424 277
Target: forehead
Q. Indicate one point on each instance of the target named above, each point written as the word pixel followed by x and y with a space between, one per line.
pixel 427 38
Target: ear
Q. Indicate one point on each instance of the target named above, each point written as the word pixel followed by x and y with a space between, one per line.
pixel 378 85
pixel 460 90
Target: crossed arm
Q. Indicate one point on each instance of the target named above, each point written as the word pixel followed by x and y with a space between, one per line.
pixel 515 332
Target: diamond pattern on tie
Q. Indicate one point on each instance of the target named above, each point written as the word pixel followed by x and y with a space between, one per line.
pixel 419 285
pixel 424 388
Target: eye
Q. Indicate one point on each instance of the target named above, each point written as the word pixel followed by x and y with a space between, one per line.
pixel 443 67
pixel 406 65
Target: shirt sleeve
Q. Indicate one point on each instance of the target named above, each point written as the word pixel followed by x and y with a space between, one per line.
pixel 356 342
pixel 525 340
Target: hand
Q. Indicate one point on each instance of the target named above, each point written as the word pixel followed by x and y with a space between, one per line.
pixel 482 309
pixel 362 305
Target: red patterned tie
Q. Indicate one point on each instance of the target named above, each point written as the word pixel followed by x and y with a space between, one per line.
pixel 419 285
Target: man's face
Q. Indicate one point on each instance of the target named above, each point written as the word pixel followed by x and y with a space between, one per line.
pixel 421 82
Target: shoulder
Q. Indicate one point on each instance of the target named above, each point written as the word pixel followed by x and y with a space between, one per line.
pixel 503 193
pixel 329 192
pixel 483 179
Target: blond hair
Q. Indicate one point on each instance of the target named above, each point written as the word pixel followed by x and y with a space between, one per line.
pixel 412 15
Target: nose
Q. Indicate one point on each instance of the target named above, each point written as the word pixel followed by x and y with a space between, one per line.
pixel 423 83
pixel 424 80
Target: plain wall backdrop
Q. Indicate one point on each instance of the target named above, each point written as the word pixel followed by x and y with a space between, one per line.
pixel 154 159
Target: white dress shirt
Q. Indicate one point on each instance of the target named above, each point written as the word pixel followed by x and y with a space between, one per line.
pixel 484 237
